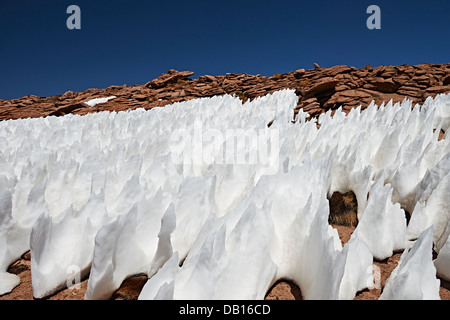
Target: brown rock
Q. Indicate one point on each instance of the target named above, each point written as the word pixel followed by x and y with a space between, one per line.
pixel 299 73
pixel 24 103
pixel 358 94
pixel 313 109
pixel 336 102
pixel 312 106
pixel 384 85
pixel 324 85
pixel 345 77
pixel 360 73
pixel 140 97
pixel 400 79
pixel 347 97
pixel 420 72
pixel 410 92
pixel 424 79
pixel 327 87
pixel 67 95
pixel 69 109
pixel 310 100
pixel 438 89
pixel 379 70
pixel 333 71
pixel 206 78
pixel 343 209
pixel 341 87
pixel 369 86
pixel 388 74
pixel 380 97
pixel 170 77
pixel 446 80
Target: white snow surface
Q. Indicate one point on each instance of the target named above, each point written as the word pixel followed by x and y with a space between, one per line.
pixel 91 103
pixel 211 202
pixel 414 278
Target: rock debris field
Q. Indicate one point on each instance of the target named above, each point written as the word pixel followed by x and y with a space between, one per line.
pixel 274 196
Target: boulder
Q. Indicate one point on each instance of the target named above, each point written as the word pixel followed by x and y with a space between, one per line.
pixel 345 97
pixel 438 89
pixel 323 85
pixel 171 76
pixel 69 109
pixel 384 85
pixel 446 80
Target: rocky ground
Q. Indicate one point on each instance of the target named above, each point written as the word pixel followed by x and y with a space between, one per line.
pixel 318 90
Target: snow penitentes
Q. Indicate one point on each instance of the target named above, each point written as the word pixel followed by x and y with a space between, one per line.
pixel 116 195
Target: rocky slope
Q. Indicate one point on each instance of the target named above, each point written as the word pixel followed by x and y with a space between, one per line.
pixel 318 90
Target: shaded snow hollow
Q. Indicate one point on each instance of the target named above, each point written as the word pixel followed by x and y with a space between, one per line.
pixel 216 199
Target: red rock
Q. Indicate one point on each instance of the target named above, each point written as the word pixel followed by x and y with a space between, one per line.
pixel 342 87
pixel 438 89
pixel 308 101
pixel 387 74
pixel 313 109
pixel 69 109
pixel 384 85
pixel 67 95
pixel 324 85
pixel 299 73
pixel 420 72
pixel 319 89
pixel 410 92
pixel 355 94
pixel 206 78
pixel 369 86
pixel 401 79
pixel 345 97
pixel 446 80
pixel 170 77
pixel 140 97
pixel 379 70
pixel 424 79
pixel 380 97
pixel 360 73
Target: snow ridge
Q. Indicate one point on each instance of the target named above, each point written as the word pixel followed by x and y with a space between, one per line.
pixel 212 195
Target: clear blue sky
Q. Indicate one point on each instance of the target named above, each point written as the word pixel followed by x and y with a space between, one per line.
pixel 131 42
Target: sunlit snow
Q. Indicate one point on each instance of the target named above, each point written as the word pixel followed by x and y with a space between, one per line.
pixel 91 103
pixel 216 199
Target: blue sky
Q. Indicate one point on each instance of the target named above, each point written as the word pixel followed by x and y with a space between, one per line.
pixel 132 42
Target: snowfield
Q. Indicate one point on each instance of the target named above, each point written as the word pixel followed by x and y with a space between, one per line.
pixel 216 199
